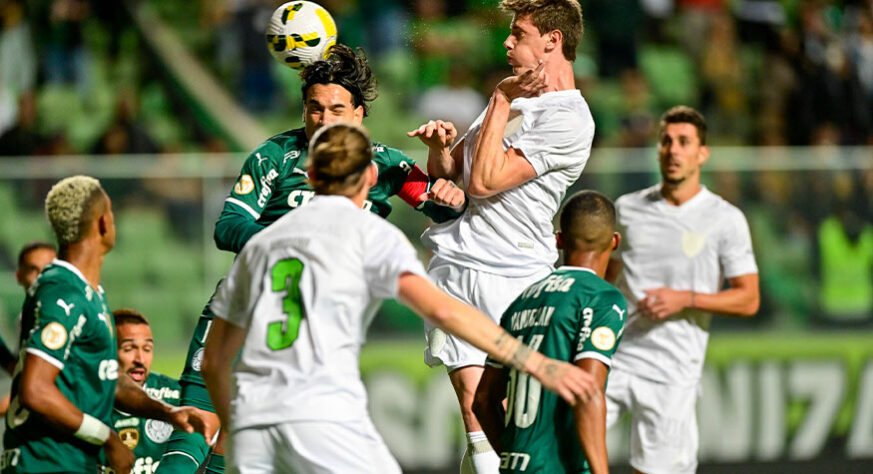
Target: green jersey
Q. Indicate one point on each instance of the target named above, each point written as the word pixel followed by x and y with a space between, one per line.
pixel 68 325
pixel 147 438
pixel 569 315
pixel 273 181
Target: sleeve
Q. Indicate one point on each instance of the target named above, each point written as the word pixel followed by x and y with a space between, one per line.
pixel 557 139
pixel 735 253
pixel 388 255
pixel 58 310
pixel 238 294
pixel 408 181
pixel 600 327
pixel 247 199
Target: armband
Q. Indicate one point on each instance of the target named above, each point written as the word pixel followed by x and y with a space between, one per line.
pixel 92 430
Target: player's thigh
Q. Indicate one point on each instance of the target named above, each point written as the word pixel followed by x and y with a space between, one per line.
pixel 492 293
pixel 322 448
pixel 253 450
pixel 664 436
pixel 617 396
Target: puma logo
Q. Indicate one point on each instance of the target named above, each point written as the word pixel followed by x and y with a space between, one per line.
pixel 260 159
pixel 63 304
pixel 619 311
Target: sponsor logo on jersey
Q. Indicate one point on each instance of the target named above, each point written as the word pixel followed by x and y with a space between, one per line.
pixel 10 458
pixel 514 461
pixel 692 243
pixel 244 186
pixel 162 393
pixel 299 197
pixel 197 360
pixel 66 307
pixel 130 437
pixel 603 338
pixel 550 284
pixel 266 182
pixel 158 431
pixel 54 335
pixel 261 159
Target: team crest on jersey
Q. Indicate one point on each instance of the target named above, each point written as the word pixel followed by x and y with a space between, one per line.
pixel 603 338
pixel 692 243
pixel 245 185
pixel 130 437
pixel 54 335
pixel 158 431
pixel 197 360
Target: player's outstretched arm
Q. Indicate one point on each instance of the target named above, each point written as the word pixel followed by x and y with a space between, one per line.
pixel 40 395
pixel 131 398
pixel 223 345
pixel 443 161
pixel 488 404
pixel 590 420
pixel 466 322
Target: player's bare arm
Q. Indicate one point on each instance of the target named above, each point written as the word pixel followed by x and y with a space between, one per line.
pixel 40 395
pixel 590 418
pixel 488 404
pixel 131 398
pixel 742 299
pixel 466 322
pixel 446 193
pixel 493 169
pixel 224 343
pixel 443 160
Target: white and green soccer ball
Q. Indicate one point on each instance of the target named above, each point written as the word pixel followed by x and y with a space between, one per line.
pixel 300 33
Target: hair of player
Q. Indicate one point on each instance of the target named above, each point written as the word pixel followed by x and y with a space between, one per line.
pixel 345 68
pixel 339 153
pixel 587 222
pixel 128 316
pixel 32 247
pixel 72 205
pixel 685 114
pixel 549 15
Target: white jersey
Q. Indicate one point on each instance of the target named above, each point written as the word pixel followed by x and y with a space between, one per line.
pixel 694 246
pixel 332 263
pixel 511 233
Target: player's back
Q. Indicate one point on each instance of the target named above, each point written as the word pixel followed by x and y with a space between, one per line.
pixel 316 278
pixel 569 315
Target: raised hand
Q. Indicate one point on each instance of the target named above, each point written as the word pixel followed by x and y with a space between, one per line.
pixel 436 134
pixel 446 193
pixel 530 83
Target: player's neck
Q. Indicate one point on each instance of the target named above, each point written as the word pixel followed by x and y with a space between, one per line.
pixel 88 259
pixel 561 76
pixel 595 260
pixel 679 193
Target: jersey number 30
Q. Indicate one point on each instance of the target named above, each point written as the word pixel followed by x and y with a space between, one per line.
pixel 286 277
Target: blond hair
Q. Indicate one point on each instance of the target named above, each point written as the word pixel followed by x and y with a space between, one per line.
pixel 549 15
pixel 71 207
pixel 338 155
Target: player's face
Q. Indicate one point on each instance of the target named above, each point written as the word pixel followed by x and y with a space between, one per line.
pixel 327 104
pixel 135 350
pixel 525 46
pixel 680 153
pixel 34 262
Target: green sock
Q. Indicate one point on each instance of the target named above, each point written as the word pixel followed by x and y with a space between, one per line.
pixel 215 463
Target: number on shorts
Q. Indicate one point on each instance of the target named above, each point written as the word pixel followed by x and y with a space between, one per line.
pixel 523 393
pixel 286 277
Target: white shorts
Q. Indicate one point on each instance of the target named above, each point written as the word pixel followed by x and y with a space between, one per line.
pixel 487 292
pixel 663 421
pixel 310 447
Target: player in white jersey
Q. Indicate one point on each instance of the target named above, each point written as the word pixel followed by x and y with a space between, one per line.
pixel 681 241
pixel 298 302
pixel 515 162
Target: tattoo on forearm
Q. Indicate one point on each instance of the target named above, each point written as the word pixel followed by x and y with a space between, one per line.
pixel 520 356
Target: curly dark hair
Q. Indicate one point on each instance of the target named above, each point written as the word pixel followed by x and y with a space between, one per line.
pixel 345 68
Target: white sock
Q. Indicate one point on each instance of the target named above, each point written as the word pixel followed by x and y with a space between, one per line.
pixel 480 457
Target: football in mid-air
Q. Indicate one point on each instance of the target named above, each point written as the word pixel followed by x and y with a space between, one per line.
pixel 300 33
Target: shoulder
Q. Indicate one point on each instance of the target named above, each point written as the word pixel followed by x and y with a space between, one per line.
pixel 291 143
pixel 387 156
pixel 719 206
pixel 641 197
pixel 565 109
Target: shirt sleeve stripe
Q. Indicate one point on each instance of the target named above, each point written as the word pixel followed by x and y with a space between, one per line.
pixel 42 355
pixel 243 205
pixel 593 355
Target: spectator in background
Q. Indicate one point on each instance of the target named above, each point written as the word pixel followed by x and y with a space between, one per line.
pixel 66 59
pixel 23 139
pixel 17 60
pixel 723 78
pixel 439 40
pixel 456 101
pixel 618 25
pixel 126 134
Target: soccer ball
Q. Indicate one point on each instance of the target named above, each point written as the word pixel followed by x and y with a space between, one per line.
pixel 300 33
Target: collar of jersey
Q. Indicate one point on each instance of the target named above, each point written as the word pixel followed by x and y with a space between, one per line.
pixel 69 266
pixel 662 201
pixel 581 269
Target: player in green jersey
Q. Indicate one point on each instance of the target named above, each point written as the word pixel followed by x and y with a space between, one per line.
pixel 572 315
pixel 146 438
pixel 63 392
pixel 273 182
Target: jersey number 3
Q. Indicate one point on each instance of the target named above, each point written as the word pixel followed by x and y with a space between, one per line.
pixel 286 277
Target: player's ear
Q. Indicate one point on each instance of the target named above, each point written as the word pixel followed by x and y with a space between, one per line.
pixel 616 240
pixel 554 40
pixel 703 155
pixel 359 115
pixel 559 240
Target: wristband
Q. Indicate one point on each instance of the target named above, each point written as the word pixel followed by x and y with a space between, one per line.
pixel 92 430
